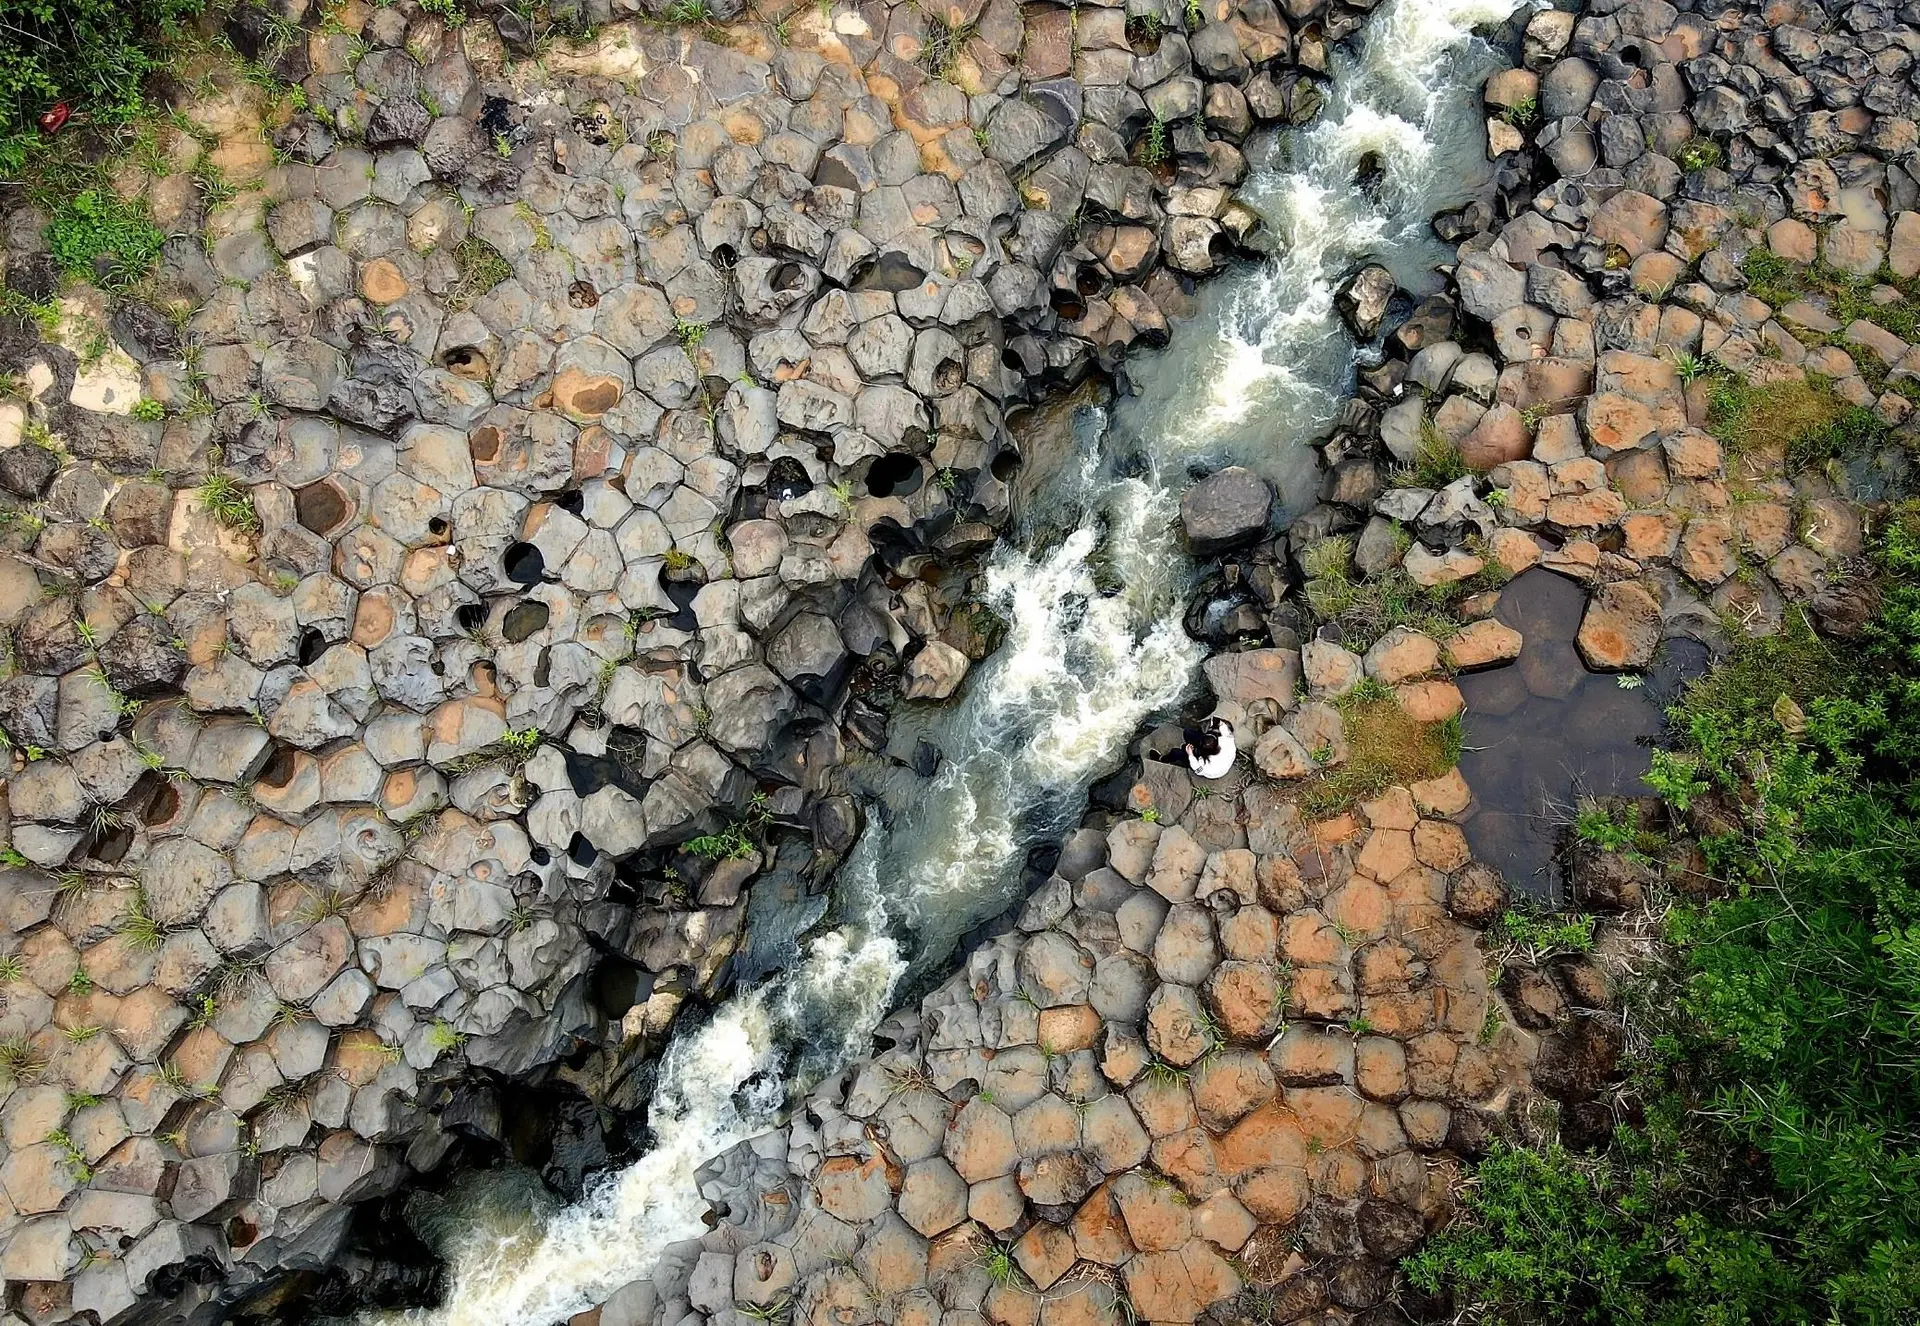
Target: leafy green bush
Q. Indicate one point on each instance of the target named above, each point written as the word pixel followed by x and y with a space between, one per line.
pixel 93 54
pixel 97 235
pixel 1774 1176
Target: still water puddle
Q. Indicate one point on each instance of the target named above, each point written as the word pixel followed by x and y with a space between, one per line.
pixel 1544 730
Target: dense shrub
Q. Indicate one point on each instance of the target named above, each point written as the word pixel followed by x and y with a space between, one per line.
pixel 93 54
pixel 1773 1172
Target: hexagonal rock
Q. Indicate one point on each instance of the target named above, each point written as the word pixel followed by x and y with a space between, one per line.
pixel 1184 951
pixel 1621 628
pixel 1482 644
pixel 1054 970
pixel 1246 1000
pixel 933 1197
pixel 1176 1025
pixel 1179 1286
pixel 181 876
pixel 1402 654
pixel 1229 1085
pixel 1157 1217
pixel 1113 1136
pixel 852 1189
pixel 1060 1178
pixel 1045 1253
pixel 979 1142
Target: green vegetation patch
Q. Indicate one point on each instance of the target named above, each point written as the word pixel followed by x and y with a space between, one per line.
pixel 1803 421
pixel 1386 747
pixel 93 55
pixel 98 236
pixel 1771 1169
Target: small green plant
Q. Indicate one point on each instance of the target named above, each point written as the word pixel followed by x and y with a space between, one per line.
pixel 1153 149
pixel 229 502
pixel 1151 815
pixel 998 1262
pixel 481 267
pixel 1598 826
pixel 205 1009
pixel 1697 154
pixel 148 410
pixel 1676 778
pixel 20 1060
pixel 1436 461
pixel 523 741
pixel 944 43
pixel 11 855
pixel 1538 937
pixel 685 13
pixel 442 1036
pixel 1522 113
pixel 689 334
pixel 1689 367
pixel 138 925
pixel 97 235
pixel 452 11
pixel 80 1033
pixel 11 969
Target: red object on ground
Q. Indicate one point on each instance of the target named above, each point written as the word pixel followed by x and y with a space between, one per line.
pixel 50 122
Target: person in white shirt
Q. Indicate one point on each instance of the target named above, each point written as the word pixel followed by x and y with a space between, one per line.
pixel 1211 750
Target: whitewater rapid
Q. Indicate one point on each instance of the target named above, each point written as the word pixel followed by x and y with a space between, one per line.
pixel 1093 588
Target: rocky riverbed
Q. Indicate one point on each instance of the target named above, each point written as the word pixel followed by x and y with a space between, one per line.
pixel 547 455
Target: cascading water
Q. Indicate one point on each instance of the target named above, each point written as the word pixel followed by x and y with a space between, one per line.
pixel 1093 587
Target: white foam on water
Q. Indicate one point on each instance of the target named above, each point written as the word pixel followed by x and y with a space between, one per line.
pixel 1095 646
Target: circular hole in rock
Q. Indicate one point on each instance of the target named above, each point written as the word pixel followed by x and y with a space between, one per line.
pixel 1067 306
pixel 895 475
pixel 581 852
pixel 1006 464
pixel 726 257
pixel 539 855
pixel 1010 358
pixel 110 844
pixel 681 594
pixel 788 276
pixel 523 564
pixel 581 294
pixel 470 616
pixel 438 526
pixel 573 501
pixel 312 645
pixel 1090 281
pixel 949 375
pixel 464 361
pixel 1630 55
pixel 484 444
pixel 162 806
pixel 787 479
pixel 320 507
pixel 522 620
pixel 279 768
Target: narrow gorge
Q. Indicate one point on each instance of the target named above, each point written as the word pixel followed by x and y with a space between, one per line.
pixel 599 601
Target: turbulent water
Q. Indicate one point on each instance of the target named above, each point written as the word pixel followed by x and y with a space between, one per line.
pixel 1093 585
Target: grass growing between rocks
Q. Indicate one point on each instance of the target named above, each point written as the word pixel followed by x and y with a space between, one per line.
pixel 1767 1168
pixel 1436 463
pixel 1386 747
pixel 1847 297
pixel 1366 609
pixel 1803 421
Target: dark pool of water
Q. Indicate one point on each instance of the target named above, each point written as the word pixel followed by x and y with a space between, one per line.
pixel 1544 730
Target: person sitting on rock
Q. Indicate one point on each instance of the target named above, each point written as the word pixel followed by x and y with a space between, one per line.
pixel 1211 750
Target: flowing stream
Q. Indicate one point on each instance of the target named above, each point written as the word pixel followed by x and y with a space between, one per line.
pixel 1093 583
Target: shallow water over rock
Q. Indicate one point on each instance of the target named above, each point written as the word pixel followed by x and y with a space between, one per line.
pixel 1544 730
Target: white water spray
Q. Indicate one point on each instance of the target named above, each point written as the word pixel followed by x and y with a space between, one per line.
pixel 1095 646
